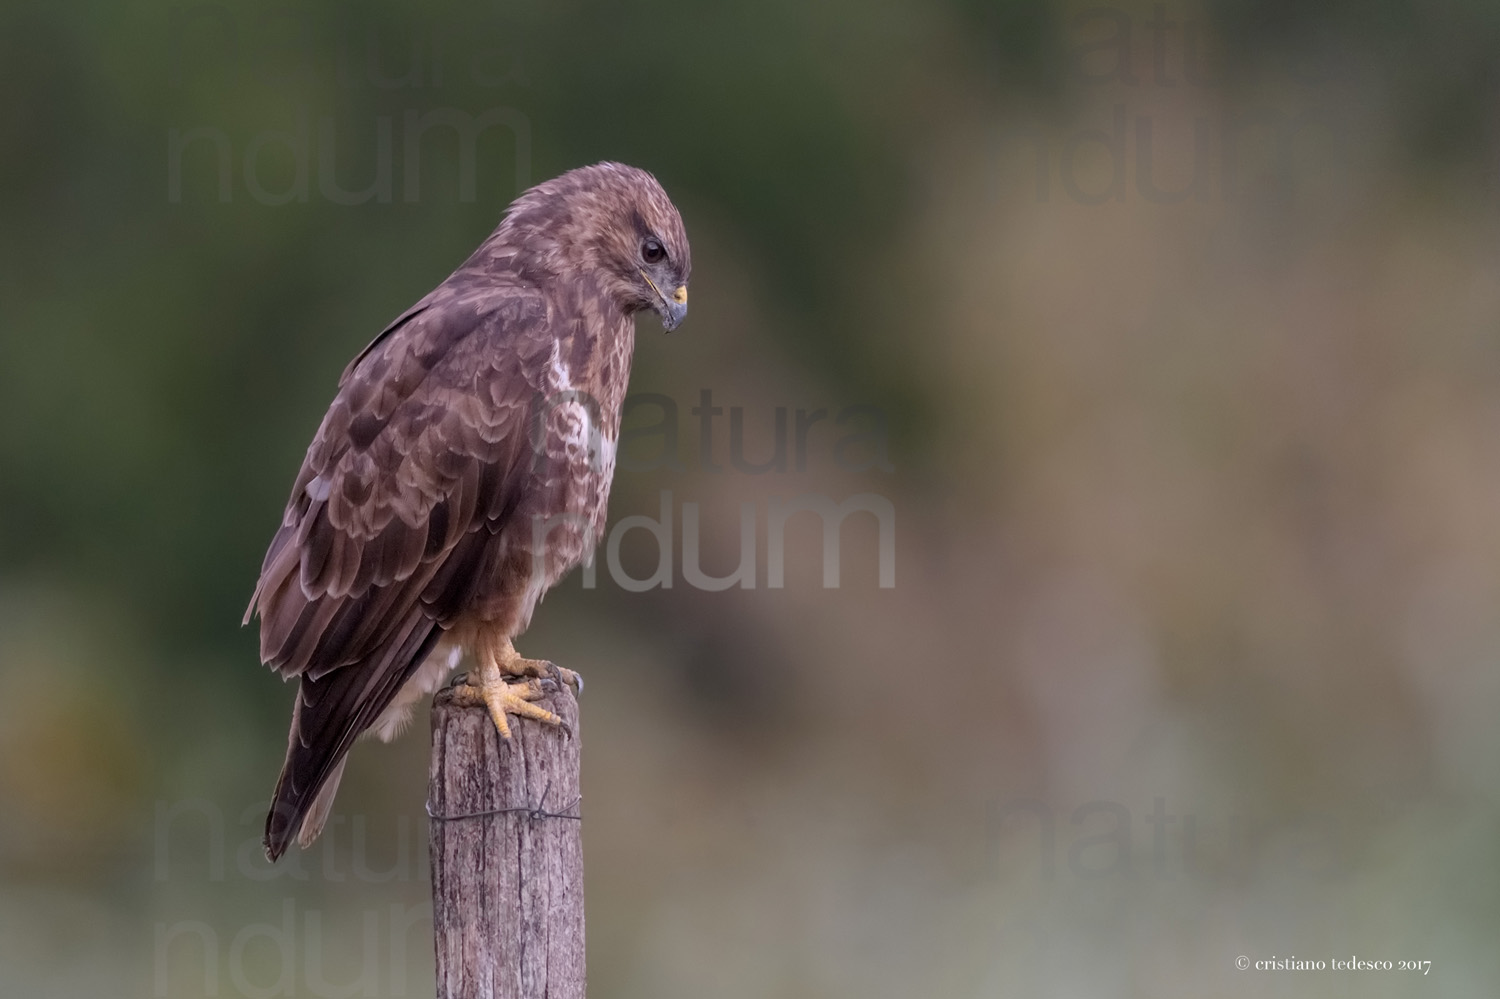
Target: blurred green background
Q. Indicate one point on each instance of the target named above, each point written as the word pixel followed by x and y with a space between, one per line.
pixel 1178 324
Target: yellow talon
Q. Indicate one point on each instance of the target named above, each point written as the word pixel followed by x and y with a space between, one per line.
pixel 508 684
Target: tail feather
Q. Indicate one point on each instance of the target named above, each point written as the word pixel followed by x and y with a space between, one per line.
pixel 322 804
pixel 332 711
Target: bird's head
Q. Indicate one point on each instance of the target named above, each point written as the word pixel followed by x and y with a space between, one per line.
pixel 614 223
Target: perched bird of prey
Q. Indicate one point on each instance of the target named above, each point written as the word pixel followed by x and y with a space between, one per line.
pixel 462 470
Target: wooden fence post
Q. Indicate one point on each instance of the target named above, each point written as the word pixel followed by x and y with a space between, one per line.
pixel 507 854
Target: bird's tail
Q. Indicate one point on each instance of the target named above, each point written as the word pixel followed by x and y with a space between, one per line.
pixel 331 712
pixel 317 811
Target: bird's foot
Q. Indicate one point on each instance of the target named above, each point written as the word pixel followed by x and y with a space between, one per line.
pixel 502 697
pixel 543 669
pixel 507 684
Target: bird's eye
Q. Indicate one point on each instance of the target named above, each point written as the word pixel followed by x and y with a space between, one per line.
pixel 652 251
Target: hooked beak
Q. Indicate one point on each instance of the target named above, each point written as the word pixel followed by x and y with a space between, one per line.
pixel 671 309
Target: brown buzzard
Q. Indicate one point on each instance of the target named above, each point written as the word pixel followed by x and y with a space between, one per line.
pixel 461 471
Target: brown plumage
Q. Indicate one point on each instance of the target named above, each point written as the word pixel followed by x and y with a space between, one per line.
pixel 462 469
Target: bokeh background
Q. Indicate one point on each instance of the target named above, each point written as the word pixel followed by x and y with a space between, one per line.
pixel 1170 333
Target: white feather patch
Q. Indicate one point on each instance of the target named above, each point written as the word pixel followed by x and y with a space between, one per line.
pixel 425 681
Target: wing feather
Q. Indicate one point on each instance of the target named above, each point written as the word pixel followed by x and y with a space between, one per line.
pixel 396 512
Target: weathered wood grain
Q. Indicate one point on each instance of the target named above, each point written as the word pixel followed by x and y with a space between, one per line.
pixel 507 888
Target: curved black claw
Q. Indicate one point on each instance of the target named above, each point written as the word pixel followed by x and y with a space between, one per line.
pixel 562 676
